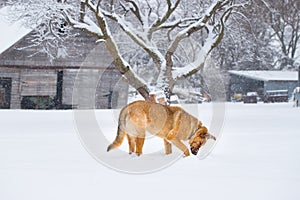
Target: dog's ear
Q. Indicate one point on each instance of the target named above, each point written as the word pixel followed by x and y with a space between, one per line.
pixel 203 131
pixel 209 136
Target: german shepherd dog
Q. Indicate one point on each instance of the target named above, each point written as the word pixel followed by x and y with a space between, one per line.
pixel 171 123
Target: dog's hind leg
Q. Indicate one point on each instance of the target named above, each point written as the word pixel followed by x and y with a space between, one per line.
pixel 131 143
pixel 140 142
pixel 139 145
pixel 168 147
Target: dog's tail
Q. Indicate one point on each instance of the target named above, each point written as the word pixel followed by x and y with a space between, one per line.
pixel 118 141
pixel 121 133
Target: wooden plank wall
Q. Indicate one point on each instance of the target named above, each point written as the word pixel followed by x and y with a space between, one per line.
pixel 29 82
pixel 38 82
pixel 68 85
pixel 14 74
pixel 111 83
pixel 91 88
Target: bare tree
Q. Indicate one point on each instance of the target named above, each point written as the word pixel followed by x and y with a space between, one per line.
pixel 248 44
pixel 146 23
pixel 283 17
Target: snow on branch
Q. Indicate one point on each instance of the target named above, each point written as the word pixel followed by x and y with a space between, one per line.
pixel 194 27
pixel 86 25
pixel 215 30
pixel 160 21
pixel 134 8
pixel 138 37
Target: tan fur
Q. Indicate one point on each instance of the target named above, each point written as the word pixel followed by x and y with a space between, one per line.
pixel 171 123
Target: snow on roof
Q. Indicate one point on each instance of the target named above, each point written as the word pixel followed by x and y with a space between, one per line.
pixel 268 75
pixel 10 32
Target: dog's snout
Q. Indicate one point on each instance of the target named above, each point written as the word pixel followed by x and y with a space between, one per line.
pixel 194 151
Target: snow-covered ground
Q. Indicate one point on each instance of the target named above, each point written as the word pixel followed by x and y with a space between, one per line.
pixel 257 157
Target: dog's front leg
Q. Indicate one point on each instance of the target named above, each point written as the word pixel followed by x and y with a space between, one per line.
pixel 181 146
pixel 176 125
pixel 168 147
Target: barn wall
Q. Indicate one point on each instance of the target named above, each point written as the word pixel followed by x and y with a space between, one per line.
pixel 28 82
pixel 100 89
pixel 38 82
pixel 68 85
pixel 281 85
pixel 83 93
pixel 14 74
pixel 112 91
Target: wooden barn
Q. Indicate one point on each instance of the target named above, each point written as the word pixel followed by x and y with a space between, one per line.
pixel 85 78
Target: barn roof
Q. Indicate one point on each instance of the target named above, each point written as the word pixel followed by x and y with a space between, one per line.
pixel 268 75
pixel 12 31
pixel 82 49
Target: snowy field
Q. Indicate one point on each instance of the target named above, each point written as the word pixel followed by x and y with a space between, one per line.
pixel 257 157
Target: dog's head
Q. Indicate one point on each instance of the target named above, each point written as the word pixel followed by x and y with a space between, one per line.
pixel 199 139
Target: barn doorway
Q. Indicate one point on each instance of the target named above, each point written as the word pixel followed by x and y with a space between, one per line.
pixel 5 92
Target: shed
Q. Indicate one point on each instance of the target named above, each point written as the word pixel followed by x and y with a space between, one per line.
pixel 262 81
pixel 30 80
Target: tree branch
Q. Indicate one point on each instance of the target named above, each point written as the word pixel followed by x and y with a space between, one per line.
pixel 86 25
pixel 119 62
pixel 135 10
pixel 211 42
pixel 139 40
pixel 82 11
pixel 196 26
pixel 155 26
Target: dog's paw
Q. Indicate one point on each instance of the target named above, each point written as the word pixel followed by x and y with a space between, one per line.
pixel 186 153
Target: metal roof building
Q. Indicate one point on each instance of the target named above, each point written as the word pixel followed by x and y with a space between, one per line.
pixel 261 81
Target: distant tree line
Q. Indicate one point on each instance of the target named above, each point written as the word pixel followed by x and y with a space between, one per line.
pixel 265 35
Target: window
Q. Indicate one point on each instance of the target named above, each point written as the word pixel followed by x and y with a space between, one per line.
pixel 5 92
pixel 37 102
